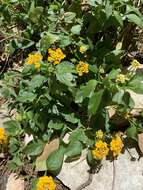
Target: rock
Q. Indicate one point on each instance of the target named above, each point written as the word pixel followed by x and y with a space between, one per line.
pixel 127 174
pixel 14 183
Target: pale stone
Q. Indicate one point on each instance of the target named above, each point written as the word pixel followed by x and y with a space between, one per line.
pixel 128 174
pixel 14 183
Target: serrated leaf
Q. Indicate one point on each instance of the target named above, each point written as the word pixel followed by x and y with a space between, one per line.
pixel 132 132
pixel 71 118
pixel 69 16
pixel 85 91
pixel 78 135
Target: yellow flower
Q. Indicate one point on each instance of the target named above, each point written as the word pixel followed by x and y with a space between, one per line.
pixel 121 78
pixel 37 65
pixel 101 150
pixel 3 136
pixel 99 134
pixel 46 183
pixel 81 68
pixel 35 59
pixel 135 64
pixel 56 56
pixel 83 49
pixel 116 145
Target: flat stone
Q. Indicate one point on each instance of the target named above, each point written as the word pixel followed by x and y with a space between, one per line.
pixel 128 175
pixel 14 183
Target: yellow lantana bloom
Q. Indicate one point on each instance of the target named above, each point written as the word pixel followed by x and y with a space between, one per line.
pixel 101 150
pixel 116 145
pixel 56 56
pixel 46 183
pixel 3 136
pixel 121 78
pixel 82 67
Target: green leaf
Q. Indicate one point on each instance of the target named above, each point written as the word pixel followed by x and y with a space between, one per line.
pixel 86 91
pixel 55 160
pixel 64 73
pixel 78 135
pixel 132 132
pixel 118 18
pixel 36 82
pixel 47 40
pixel 71 118
pixel 113 74
pixel 74 149
pixel 55 125
pixel 26 97
pixel 69 16
pixel 34 148
pixel 35 14
pixel 12 127
pixel 76 29
pixel 118 97
pixel 95 102
pixel 90 160
pixel 136 84
pixel 135 19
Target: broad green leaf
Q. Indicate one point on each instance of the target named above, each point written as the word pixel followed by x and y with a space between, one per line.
pixel 95 102
pixel 76 29
pixel 34 148
pixel 90 160
pixel 118 18
pixel 135 19
pixel 55 125
pixel 136 84
pixel 47 40
pixel 69 16
pixel 26 97
pixel 132 132
pixel 113 74
pixel 36 82
pixel 85 91
pixel 74 149
pixel 64 73
pixel 55 160
pixel 12 127
pixel 70 118
pixel 78 135
pixel 118 97
pixel 35 14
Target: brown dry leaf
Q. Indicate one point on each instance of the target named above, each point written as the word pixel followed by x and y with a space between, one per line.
pixel 140 141
pixel 49 148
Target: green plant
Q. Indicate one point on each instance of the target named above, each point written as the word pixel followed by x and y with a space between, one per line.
pixel 72 75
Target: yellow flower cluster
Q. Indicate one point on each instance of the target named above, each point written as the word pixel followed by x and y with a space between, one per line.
pixel 121 78
pixel 135 64
pixel 116 145
pixel 99 134
pixel 101 150
pixel 3 136
pixel 82 49
pixel 46 183
pixel 34 59
pixel 81 68
pixel 56 56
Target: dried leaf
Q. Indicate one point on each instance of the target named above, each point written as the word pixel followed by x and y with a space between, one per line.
pixel 140 141
pixel 49 148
